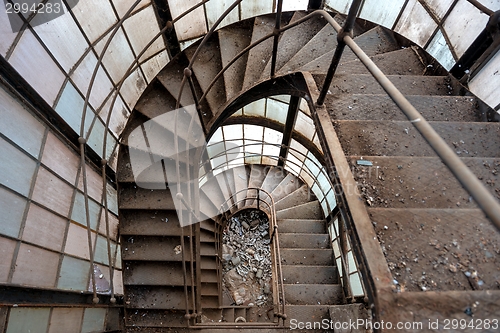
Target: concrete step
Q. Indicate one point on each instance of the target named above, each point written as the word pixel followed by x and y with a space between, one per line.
pixel 304 241
pixel 233 40
pixel 306 313
pixel 382 107
pixel 157 248
pixel 371 138
pixel 375 41
pixel 139 318
pixel 294 39
pixel 399 62
pixel 134 197
pixel 259 55
pixel 324 41
pixel 323 257
pixel 207 64
pixel 310 210
pixel 154 273
pixel 420 182
pixel 149 223
pixel 302 226
pixel 156 101
pixel 297 197
pixel 155 297
pixel 344 84
pixel 317 294
pixel 274 177
pixel 171 77
pixel 287 186
pixel 305 274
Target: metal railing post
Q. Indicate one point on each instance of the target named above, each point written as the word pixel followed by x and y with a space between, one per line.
pixel 276 33
pixel 346 30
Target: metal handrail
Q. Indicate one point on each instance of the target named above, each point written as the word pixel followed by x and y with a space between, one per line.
pixel 279 288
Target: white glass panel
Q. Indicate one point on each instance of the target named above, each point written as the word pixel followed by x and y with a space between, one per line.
pixel 253 160
pixel 95 17
pixel 304 107
pixel 324 206
pixel 216 137
pixel 383 13
pixel 132 88
pixel 440 50
pixel 7 36
pixel 339 266
pixel 218 161
pixel 186 44
pixel 342 6
pixel 119 115
pixel 323 182
pixel 214 10
pixel 330 197
pixel 282 98
pixel 62 37
pixel 304 125
pixel 122 6
pixel 96 139
pixel 295 5
pixel 254 132
pixel 255 8
pixel 16 168
pixel 270 151
pixel 335 248
pixel 352 264
pixel 416 24
pixel 70 108
pixel 216 149
pixel 269 161
pixel 102 84
pixel 237 113
pixel 36 67
pixel 273 137
pixel 485 84
pixel 276 111
pixel 317 191
pixel 118 56
pixel 494 5
pixel 141 28
pixel 253 147
pixel 193 24
pixel 440 7
pixel 356 286
pixel 463 25
pixel 306 177
pixel 301 151
pixel 311 166
pixel 256 108
pixel 233 132
pixel 153 66
pixel 293 164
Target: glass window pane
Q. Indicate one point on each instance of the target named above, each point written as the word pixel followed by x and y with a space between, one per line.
pixel 330 197
pixel 283 98
pixel 16 168
pixel 440 50
pixel 383 13
pixel 215 9
pixel 304 107
pixel 118 56
pixel 193 24
pixel 12 207
pixel 304 125
pixel 356 286
pixel 254 132
pixel 154 65
pixel 256 108
pixel 94 25
pixel 232 132
pixel 324 183
pixel 273 137
pixel 276 111
pixel 255 8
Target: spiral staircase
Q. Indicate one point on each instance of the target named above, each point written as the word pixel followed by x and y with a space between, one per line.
pixel 369 127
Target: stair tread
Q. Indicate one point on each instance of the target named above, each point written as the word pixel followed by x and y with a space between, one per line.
pixel 233 40
pixel 297 197
pixel 374 41
pixel 152 248
pixel 288 185
pixel 240 175
pixel 382 107
pixel 273 178
pixel 155 318
pixel 406 181
pixel 255 179
pixel 260 54
pixel 154 273
pixel 307 313
pixel 306 256
pixel 209 289
pixel 367 138
pixel 344 84
pixel 149 223
pixel 156 101
pixel 309 210
pixel 156 297
pixel 309 274
pixel 304 241
pixel 171 78
pixel 292 40
pixel 324 41
pixel 302 226
pixel 135 197
pixel 303 294
pixel 206 66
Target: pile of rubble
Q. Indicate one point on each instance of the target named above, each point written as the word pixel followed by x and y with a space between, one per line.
pixel 246 258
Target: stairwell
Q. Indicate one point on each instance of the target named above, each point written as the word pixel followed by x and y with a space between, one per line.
pixel 409 194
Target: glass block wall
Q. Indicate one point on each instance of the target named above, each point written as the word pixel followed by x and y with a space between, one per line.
pixel 43 234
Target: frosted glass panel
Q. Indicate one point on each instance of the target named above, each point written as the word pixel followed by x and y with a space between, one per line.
pixel 256 108
pixel 485 84
pixel 153 66
pixel 232 132
pixel 440 50
pixel 12 207
pixel 301 151
pixel 132 88
pixel 356 286
pixel 119 115
pixel 304 125
pixel 384 13
pixel 39 71
pixel 6 31
pixel 141 28
pixel 276 111
pixel 440 7
pixel 192 25
pixel 217 136
pixel 122 6
pixel 118 56
pixel 342 6
pixel 102 84
pixel 214 10
pixel 295 5
pixel 255 8
pixel 96 139
pixel 94 25
pixel 253 132
pixel 70 108
pixel 16 168
pixel 62 37
pixel 272 136
pixel 16 122
pixel 323 182
pixel 416 24
pixel 463 25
